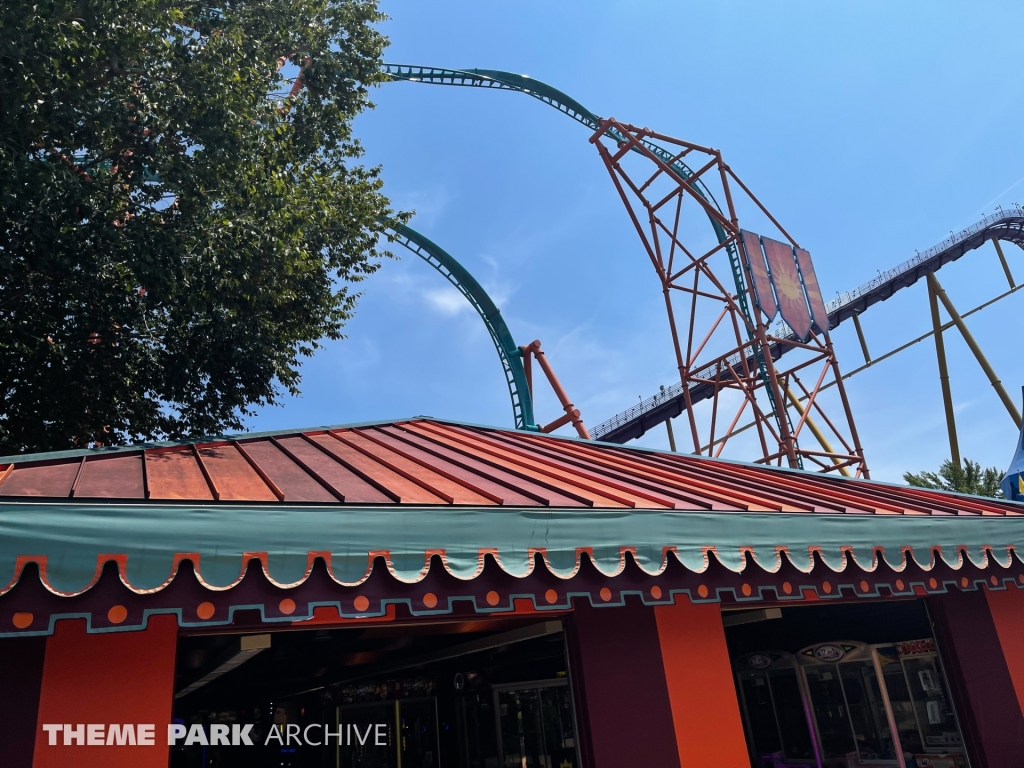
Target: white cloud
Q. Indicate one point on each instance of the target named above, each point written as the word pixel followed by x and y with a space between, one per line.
pixel 448 301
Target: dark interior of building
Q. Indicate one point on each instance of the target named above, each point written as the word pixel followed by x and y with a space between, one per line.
pixel 843 686
pixel 459 694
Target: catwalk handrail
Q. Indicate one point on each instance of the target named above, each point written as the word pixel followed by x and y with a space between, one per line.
pixel 842 301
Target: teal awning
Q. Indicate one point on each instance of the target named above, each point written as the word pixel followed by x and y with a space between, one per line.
pixel 72 540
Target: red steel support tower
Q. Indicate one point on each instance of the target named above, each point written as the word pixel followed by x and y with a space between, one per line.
pixel 723 292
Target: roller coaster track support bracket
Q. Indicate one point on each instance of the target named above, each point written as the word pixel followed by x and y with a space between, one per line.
pixel 1003 262
pixel 572 413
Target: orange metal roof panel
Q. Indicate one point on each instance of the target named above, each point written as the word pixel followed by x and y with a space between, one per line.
pixel 44 480
pixel 294 482
pixel 399 488
pixel 347 484
pixel 516 485
pixel 117 477
pixel 175 474
pixel 233 476
pixel 594 493
pixel 413 469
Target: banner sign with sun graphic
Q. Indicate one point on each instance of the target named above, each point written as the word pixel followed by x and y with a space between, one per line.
pixel 788 290
pixel 812 289
pixel 763 296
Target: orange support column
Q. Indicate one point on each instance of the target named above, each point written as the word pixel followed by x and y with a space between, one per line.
pixel 705 710
pixel 123 678
pixel 1007 609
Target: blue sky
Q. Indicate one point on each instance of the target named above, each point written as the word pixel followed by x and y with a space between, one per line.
pixel 871 129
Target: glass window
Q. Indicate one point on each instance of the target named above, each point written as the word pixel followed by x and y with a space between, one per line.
pixel 830 711
pixel 867 711
pixel 536 727
pixel 931 704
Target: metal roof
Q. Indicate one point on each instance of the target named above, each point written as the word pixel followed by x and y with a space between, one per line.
pixel 424 517
pixel 429 462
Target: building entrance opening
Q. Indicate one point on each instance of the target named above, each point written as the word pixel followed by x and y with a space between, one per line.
pixel 844 686
pixel 455 694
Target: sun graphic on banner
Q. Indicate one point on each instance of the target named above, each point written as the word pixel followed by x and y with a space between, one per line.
pixel 788 287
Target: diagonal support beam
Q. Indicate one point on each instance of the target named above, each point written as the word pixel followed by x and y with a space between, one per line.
pixel 997 385
pixel 940 354
pixel 1002 260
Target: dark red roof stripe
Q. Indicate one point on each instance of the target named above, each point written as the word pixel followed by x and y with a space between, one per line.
pixel 512 488
pixel 694 495
pixel 289 475
pixel 595 493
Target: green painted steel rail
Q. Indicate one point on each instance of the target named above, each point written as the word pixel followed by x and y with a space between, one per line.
pixel 456 274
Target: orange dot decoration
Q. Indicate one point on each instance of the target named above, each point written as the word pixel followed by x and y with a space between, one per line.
pixel 864 586
pixel 430 600
pixel 1021 578
pixel 994 580
pixel 361 603
pixel 787 587
pixel 746 590
pixel 964 582
pixel 205 611
pixel 551 596
pixel 827 587
pixel 933 583
pixel 493 598
pixel 286 606
pixel 117 614
pixel 899 584
pixel 656 592
pixel 702 591
pixel 22 620
pixel 606 594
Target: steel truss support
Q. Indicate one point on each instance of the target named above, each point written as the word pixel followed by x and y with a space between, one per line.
pixel 724 351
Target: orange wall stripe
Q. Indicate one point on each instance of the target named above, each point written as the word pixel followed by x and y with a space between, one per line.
pixel 1007 609
pixel 705 710
pixel 113 677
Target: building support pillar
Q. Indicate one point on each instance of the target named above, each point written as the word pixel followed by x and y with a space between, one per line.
pixel 1007 609
pixel 701 689
pixel 979 676
pixel 623 712
pixel 103 679
pixel 21 675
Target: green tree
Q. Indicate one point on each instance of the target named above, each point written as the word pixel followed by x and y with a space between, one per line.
pixel 970 478
pixel 178 225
